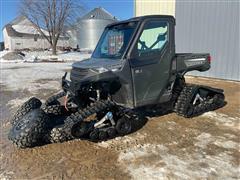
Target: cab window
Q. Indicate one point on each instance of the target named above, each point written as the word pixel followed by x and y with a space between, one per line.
pixel 114 41
pixel 153 38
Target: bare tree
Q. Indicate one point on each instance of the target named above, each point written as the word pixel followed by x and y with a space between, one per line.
pixel 50 17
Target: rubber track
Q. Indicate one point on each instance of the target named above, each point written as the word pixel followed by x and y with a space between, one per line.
pixel 185 99
pixel 27 137
pixel 178 87
pixel 58 134
pixel 53 98
pixel 32 103
pixel 54 109
pixel 63 132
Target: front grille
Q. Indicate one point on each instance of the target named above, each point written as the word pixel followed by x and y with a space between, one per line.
pixel 77 74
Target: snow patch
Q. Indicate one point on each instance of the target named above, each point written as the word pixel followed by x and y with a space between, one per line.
pixel 166 165
pixel 205 139
pixel 2 53
pixel 146 172
pixel 226 144
pixel 25 76
pixel 122 141
pixel 15 103
pixel 6 175
pixel 230 136
pixel 51 85
pixel 223 119
pixel 141 151
pixel 38 56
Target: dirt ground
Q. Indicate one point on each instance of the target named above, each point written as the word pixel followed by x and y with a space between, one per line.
pixel 166 147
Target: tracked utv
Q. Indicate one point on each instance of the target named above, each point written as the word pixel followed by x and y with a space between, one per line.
pixel 134 65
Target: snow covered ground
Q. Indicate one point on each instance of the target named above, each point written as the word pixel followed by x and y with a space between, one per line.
pixel 30 73
pixel 33 56
pixel 31 69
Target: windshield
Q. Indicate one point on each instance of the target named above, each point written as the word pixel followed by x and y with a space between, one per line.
pixel 114 41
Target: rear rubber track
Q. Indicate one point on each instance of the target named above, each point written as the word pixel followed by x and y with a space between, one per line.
pixel 185 108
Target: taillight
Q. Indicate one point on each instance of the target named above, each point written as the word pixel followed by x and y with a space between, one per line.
pixel 209 59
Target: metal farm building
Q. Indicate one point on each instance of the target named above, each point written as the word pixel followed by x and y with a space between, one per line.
pixel 203 26
pixel 88 29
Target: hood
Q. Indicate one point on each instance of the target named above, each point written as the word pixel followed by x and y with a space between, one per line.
pixel 95 69
pixel 97 63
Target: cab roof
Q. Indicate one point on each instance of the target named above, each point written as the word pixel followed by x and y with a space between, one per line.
pixel 142 18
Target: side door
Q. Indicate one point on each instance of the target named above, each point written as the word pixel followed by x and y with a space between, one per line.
pixel 151 61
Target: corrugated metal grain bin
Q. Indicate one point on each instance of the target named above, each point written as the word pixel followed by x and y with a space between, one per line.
pixel 91 26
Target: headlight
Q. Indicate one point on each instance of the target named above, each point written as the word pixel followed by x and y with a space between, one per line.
pixel 102 70
pixel 115 69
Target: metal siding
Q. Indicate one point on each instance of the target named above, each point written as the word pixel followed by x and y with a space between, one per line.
pixel 89 32
pixel 146 7
pixel 210 26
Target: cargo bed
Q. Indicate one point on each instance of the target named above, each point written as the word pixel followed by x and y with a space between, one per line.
pixel 186 62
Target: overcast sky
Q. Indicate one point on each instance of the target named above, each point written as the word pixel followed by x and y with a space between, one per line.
pixel 122 9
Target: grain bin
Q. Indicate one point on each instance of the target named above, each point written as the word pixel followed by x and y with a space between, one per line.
pixel 90 27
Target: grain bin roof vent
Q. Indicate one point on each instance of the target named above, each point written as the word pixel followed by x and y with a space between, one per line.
pixel 98 13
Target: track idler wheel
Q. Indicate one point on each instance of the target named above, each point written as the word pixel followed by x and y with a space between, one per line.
pixel 123 126
pixel 94 135
pixel 103 135
pixel 190 110
pixel 111 132
pixel 218 99
pixel 79 130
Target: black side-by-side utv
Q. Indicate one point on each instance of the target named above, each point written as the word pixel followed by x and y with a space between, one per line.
pixel 134 65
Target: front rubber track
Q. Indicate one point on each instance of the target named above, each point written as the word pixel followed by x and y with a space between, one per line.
pixel 30 129
pixel 32 103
